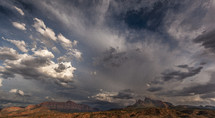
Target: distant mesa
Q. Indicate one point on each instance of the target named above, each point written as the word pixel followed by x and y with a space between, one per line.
pixel 68 106
pixel 148 102
pixel 46 107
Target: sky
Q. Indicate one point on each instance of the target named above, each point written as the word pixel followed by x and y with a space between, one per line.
pixel 107 53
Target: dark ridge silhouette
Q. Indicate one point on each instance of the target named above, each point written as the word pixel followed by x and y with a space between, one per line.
pixel 148 102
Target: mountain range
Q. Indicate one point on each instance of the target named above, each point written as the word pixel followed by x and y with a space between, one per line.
pixel 151 103
pixel 142 109
pixel 148 102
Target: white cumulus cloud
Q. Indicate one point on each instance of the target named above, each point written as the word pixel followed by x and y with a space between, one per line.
pixel 105 96
pixel 44 53
pixel 38 66
pixel 20 26
pixel 62 71
pixel 13 91
pixel 17 91
pixel 43 30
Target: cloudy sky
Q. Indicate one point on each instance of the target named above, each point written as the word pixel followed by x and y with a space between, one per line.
pixel 107 53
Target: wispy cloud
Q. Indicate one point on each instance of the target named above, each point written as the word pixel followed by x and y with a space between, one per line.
pixel 1 82
pixel 20 44
pixel 19 10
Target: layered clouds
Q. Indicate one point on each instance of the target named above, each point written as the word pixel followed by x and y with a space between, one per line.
pixel 8 53
pixel 39 66
pixel 113 52
pixel 37 61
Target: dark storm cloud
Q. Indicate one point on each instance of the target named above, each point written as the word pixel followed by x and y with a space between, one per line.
pixel 15 98
pixel 7 56
pixel 26 5
pixel 24 71
pixel 147 18
pixel 86 8
pixel 6 11
pixel 207 39
pixel 7 74
pixel 33 74
pixel 9 101
pixel 60 67
pixel 179 75
pixel 12 102
pixel 208 95
pixel 111 58
pixel 203 63
pixel 125 94
pixel 182 66
pixel 143 14
pixel 36 62
pixel 199 89
pixel 154 89
pixel 73 93
pixel 102 105
pixel 193 90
